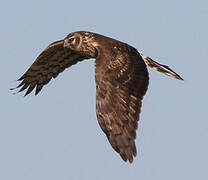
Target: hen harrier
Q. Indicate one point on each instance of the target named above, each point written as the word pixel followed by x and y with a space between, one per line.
pixel 121 81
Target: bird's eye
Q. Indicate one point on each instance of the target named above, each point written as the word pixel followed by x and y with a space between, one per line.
pixel 71 40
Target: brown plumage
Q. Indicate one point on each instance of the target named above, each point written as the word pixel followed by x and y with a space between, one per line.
pixel 121 81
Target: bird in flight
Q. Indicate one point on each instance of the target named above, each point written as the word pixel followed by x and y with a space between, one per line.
pixel 121 81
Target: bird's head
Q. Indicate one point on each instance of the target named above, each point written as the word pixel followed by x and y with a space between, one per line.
pixel 81 42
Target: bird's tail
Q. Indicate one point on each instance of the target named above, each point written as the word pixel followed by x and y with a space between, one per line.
pixel 159 67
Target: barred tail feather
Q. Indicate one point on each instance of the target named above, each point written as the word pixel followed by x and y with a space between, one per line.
pixel 160 67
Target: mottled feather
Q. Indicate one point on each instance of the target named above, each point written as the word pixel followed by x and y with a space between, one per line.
pixel 121 81
pixel 120 90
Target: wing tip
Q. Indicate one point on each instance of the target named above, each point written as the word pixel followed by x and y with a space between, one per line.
pixel 29 87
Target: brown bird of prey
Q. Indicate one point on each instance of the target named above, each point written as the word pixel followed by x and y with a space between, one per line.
pixel 121 81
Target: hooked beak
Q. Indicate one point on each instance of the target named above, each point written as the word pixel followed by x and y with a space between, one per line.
pixel 66 43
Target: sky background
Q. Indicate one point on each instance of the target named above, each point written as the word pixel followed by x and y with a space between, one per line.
pixel 55 136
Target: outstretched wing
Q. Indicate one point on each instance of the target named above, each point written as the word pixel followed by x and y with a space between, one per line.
pixel 121 85
pixel 52 61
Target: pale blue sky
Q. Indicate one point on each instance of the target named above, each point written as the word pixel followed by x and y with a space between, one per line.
pixel 55 136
